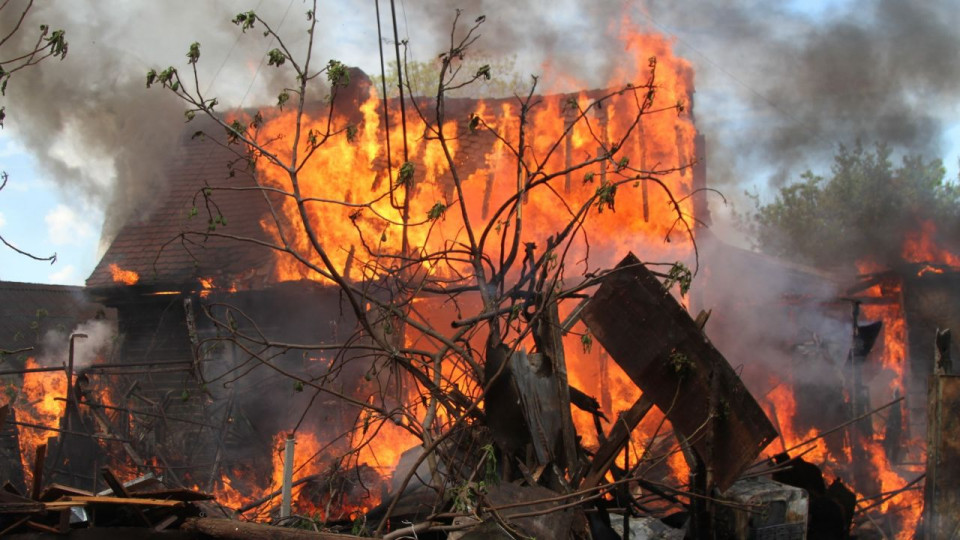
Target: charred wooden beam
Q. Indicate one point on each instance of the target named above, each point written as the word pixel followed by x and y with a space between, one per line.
pixel 656 343
pixel 941 499
pixel 619 436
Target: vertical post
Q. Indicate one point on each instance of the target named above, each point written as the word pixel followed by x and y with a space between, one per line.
pixel 285 493
pixel 626 510
pixel 941 499
pixel 644 189
pixel 70 369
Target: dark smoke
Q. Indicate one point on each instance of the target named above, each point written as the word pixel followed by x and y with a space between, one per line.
pixel 779 89
pixel 880 70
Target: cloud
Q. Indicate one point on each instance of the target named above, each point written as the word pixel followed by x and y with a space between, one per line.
pixel 65 276
pixel 3 220
pixel 65 227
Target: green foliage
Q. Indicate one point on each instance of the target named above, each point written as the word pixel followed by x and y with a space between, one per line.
pixel 245 20
pixel 862 210
pixel 586 341
pixel 234 132
pixel 680 275
pixel 437 211
pixel 405 177
pixel 194 53
pixel 606 196
pixel 167 78
pixel 337 73
pixel 57 42
pixel 276 58
pixel 680 364
pixel 282 99
pixel 497 77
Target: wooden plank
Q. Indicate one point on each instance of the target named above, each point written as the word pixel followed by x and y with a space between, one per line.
pixel 56 491
pixel 121 493
pixel 619 436
pixel 656 343
pixel 176 494
pixel 551 340
pixel 98 499
pixel 38 471
pixel 941 499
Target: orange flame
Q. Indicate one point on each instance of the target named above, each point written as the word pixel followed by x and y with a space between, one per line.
pixel 126 277
pixel 922 247
pixel 37 404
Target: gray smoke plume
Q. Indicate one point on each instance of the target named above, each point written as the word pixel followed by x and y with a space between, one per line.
pixel 778 87
pixel 89 120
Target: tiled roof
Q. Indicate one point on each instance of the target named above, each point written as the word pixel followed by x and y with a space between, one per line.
pixel 29 310
pixel 151 247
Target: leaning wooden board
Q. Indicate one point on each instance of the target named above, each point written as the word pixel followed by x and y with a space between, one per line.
pixel 659 346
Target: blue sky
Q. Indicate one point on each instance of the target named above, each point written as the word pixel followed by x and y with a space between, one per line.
pixel 38 216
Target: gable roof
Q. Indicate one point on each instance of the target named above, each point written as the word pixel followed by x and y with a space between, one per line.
pixel 151 247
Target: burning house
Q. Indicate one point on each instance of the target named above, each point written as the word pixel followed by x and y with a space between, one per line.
pixel 257 304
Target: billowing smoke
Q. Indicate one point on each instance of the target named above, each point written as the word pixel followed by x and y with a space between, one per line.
pixel 100 339
pixel 778 86
pixel 90 121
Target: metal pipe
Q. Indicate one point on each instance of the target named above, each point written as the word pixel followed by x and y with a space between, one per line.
pixel 286 492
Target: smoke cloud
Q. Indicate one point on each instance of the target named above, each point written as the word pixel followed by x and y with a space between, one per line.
pixel 89 119
pixel 778 87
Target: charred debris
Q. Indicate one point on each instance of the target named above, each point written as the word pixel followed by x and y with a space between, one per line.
pixel 532 476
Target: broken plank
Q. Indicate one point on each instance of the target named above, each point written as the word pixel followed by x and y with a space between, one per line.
pixel 619 436
pixel 38 471
pixel 121 492
pixel 98 499
pixel 56 491
pixel 656 343
pixel 941 499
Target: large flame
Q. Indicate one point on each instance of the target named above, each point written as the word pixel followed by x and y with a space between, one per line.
pixel 362 236
pixel 351 166
pixel 37 403
pixel 921 246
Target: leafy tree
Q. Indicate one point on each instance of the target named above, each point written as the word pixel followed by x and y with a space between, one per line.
pixel 862 210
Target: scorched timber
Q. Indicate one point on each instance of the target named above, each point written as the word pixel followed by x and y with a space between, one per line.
pixel 656 343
